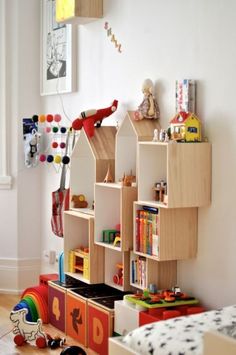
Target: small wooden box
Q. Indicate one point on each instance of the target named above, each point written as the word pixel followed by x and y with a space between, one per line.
pixel 101 323
pixel 57 301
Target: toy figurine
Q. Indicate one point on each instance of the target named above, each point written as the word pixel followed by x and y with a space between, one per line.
pixel 149 107
pixel 89 118
pixel 108 178
pixel 79 201
pixel 27 331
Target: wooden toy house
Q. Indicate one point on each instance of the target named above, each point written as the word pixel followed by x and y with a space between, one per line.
pixel 90 160
pixel 186 127
pixel 128 135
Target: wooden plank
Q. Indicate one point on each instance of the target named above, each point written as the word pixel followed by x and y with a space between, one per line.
pixel 178 233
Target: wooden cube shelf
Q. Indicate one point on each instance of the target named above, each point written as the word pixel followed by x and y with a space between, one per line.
pixel 175 235
pixel 78 11
pixel 78 237
pixel 145 271
pixel 113 206
pixel 184 167
pixel 117 269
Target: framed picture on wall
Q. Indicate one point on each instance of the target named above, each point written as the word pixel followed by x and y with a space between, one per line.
pixel 57 53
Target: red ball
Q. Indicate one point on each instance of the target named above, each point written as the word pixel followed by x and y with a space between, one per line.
pixel 54 144
pixel 49 118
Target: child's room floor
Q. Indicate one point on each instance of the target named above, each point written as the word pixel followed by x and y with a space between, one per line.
pixel 7 345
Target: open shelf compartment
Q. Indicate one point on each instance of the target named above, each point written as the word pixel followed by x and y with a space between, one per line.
pixel 169 234
pixel 185 168
pixel 114 213
pixel 80 252
pixel 117 269
pixel 145 271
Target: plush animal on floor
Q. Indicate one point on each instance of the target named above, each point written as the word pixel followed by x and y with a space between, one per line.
pixel 88 119
pixel 27 331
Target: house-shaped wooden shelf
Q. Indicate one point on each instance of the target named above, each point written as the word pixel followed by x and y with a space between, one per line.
pixel 128 135
pixel 90 160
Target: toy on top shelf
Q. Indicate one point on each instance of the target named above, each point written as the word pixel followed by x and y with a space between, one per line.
pixel 149 108
pixel 89 118
pixel 185 127
pixel 108 178
pixel 79 201
pixel 128 180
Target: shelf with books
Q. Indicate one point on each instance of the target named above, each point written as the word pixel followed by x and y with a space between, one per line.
pixel 117 269
pixel 80 252
pixel 145 271
pixel 174 175
pixel 165 234
pixel 113 227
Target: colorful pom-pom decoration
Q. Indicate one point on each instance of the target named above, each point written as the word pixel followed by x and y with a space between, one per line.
pixel 55 129
pixel 49 118
pixel 65 160
pixel 42 118
pixel 57 117
pixel 35 118
pixel 54 145
pixel 50 158
pixel 63 129
pixel 57 159
pixel 42 158
pixel 62 145
pixel 47 129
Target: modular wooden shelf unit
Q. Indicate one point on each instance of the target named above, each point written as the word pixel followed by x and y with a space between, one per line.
pixel 79 234
pixel 113 206
pixel 175 235
pixel 185 168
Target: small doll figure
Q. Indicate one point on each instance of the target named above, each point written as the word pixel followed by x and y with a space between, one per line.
pixel 149 107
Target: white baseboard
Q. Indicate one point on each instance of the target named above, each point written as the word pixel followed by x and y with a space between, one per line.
pixel 18 274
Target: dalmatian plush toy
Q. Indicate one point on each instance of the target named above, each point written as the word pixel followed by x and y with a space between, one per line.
pixel 32 148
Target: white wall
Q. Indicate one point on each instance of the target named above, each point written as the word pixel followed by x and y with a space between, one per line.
pixel 163 40
pixel 20 207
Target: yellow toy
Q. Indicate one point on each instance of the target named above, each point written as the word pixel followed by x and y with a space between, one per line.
pixel 185 127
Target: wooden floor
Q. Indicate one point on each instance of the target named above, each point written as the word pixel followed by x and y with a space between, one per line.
pixel 7 345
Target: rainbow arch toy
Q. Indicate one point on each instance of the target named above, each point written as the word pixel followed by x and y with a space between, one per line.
pixel 35 299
